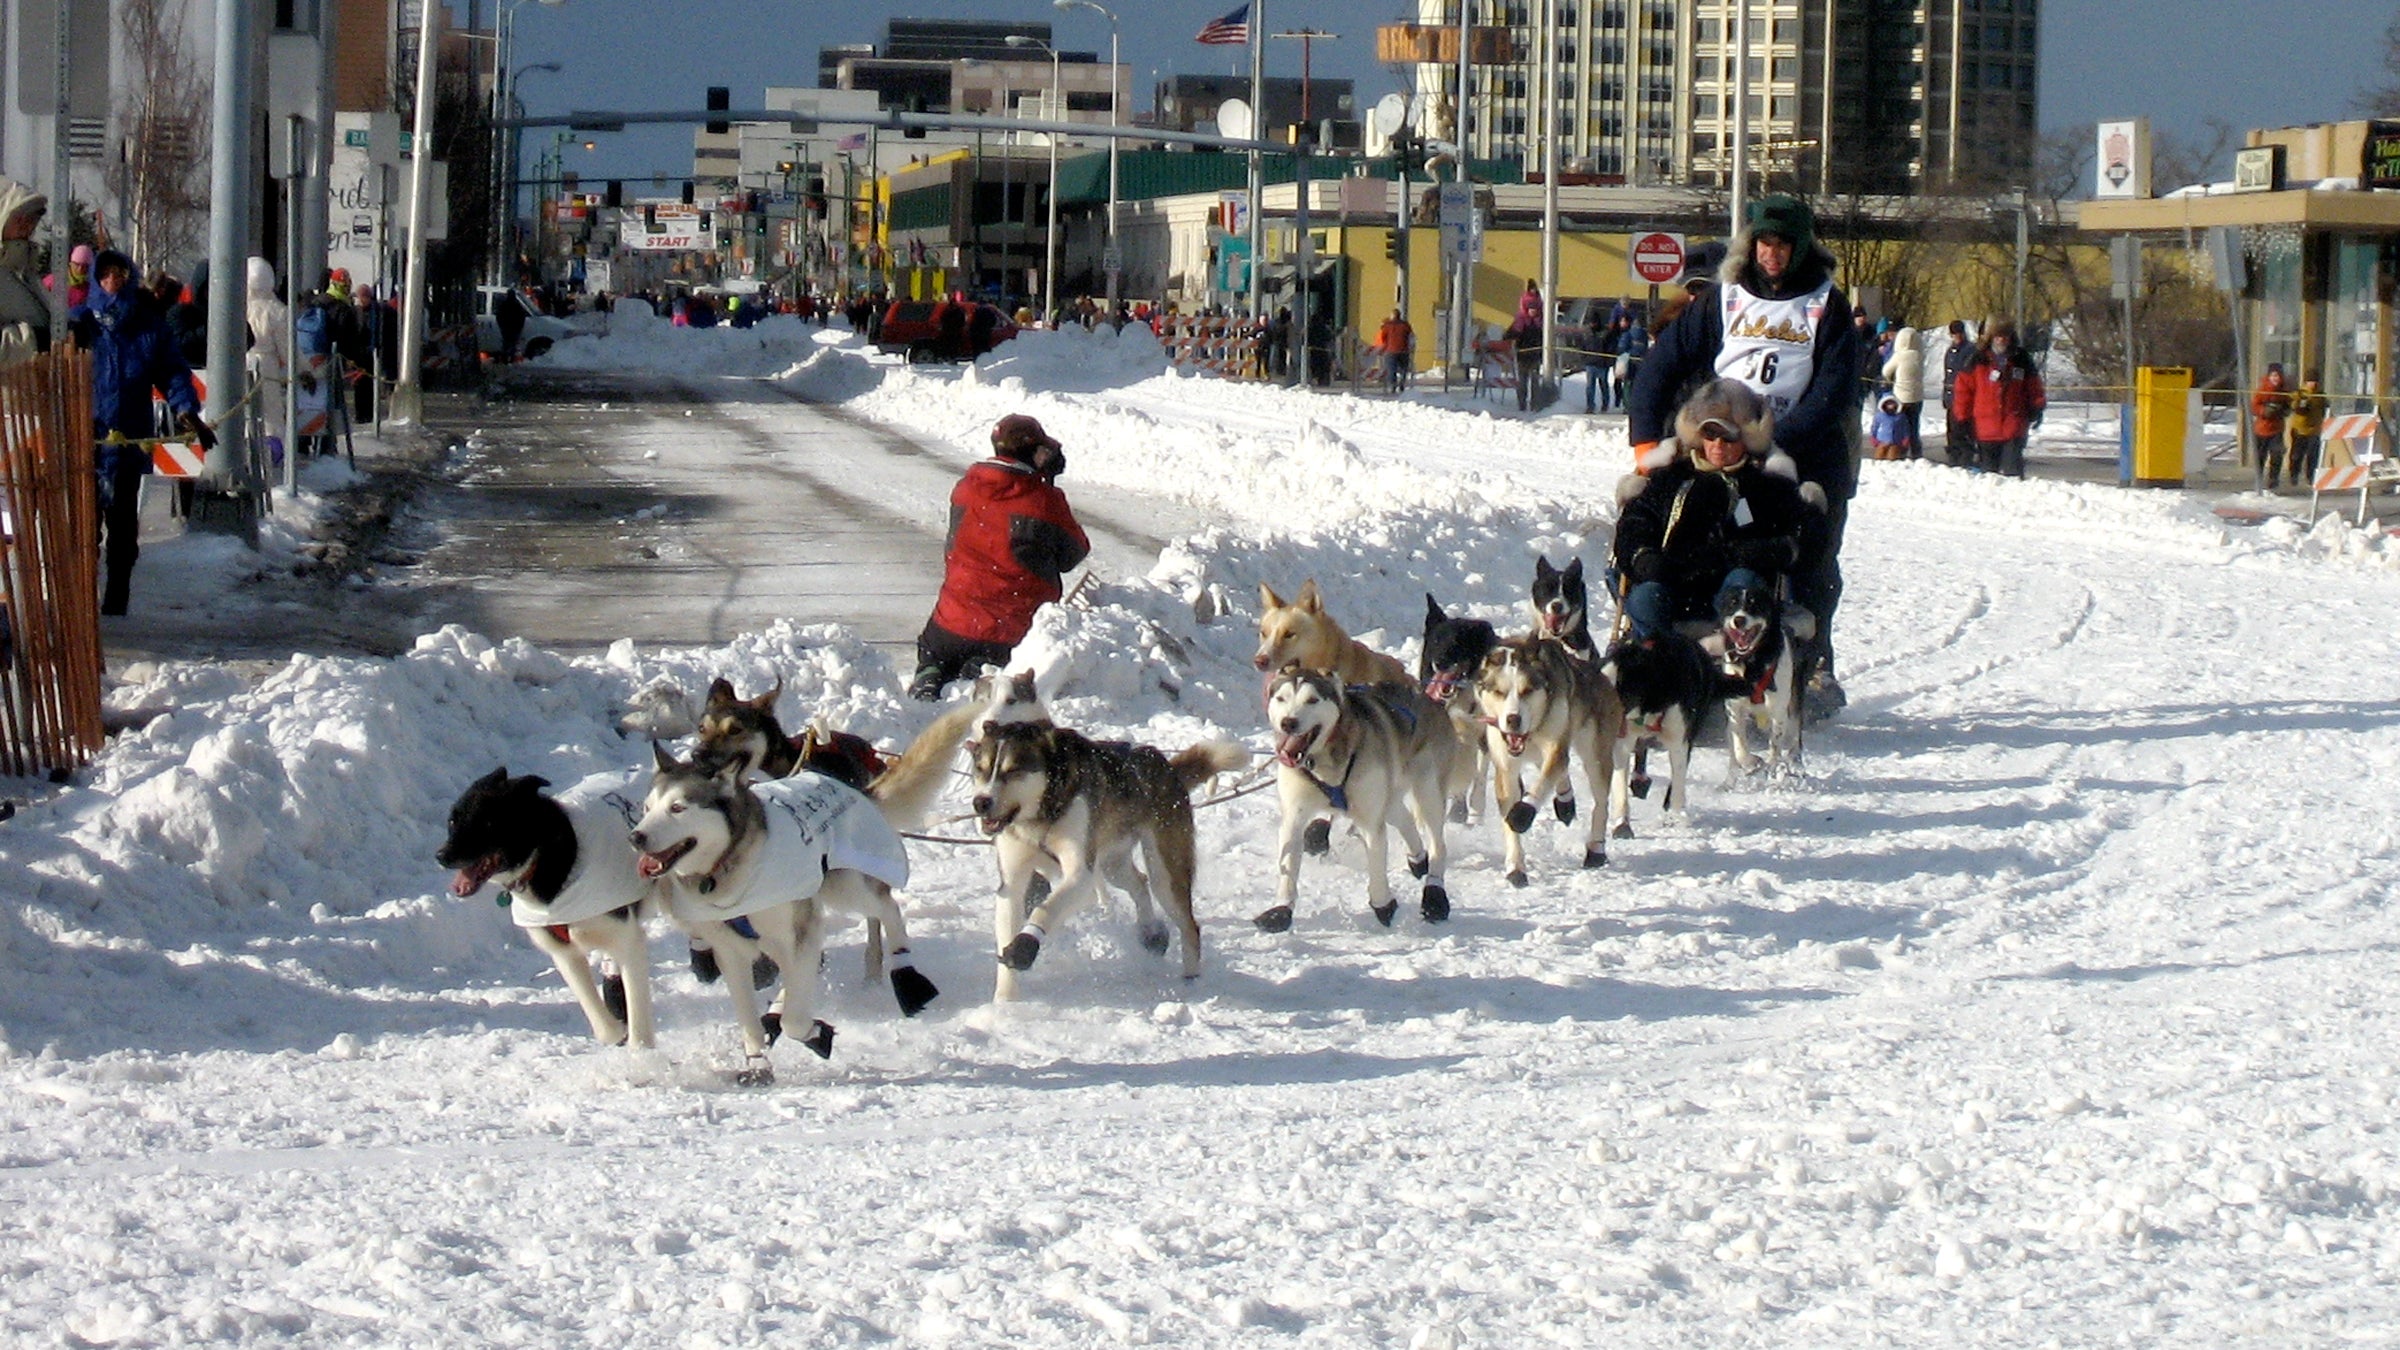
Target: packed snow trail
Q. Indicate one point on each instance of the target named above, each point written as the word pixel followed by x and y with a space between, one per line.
pixel 2052 1006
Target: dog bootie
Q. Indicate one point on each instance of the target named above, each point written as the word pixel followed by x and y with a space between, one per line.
pixel 1823 697
pixel 927 686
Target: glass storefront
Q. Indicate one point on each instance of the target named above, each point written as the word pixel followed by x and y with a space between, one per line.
pixel 2349 365
pixel 2278 302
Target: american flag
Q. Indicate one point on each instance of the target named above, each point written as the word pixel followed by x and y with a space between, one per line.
pixel 1231 31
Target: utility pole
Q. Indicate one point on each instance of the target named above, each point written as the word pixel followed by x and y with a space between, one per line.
pixel 231 194
pixel 408 395
pixel 1741 116
pixel 1308 37
pixel 1462 290
pixel 1548 104
pixel 1258 166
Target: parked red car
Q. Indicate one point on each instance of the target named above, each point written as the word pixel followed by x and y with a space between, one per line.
pixel 915 327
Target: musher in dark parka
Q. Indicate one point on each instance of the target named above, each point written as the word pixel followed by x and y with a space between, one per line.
pixel 1775 322
pixel 1722 510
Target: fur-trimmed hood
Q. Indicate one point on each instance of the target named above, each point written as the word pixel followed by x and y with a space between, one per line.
pixel 1732 403
pixel 1719 400
pixel 1809 269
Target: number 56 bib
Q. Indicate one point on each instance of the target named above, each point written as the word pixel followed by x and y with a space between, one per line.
pixel 1771 345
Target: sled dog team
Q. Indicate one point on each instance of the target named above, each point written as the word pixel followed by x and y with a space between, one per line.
pixel 753 843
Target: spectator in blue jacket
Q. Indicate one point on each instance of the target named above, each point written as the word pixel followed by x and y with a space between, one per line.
pixel 133 356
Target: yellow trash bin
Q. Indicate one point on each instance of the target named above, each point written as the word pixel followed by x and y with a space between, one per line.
pixel 2160 396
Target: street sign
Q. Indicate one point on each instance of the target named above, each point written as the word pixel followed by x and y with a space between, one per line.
pixel 1112 259
pixel 678 228
pixel 1457 204
pixel 1657 258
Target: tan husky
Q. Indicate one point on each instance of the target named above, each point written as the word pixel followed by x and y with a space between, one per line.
pixel 1300 632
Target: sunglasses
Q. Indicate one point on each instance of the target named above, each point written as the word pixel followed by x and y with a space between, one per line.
pixel 1718 431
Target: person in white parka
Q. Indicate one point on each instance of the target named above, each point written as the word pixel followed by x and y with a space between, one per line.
pixel 1904 375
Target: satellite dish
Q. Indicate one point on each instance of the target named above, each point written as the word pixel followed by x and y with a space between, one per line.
pixel 1389 115
pixel 1234 120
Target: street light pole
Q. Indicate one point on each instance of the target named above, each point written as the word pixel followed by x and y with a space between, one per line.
pixel 1050 231
pixel 504 160
pixel 1114 263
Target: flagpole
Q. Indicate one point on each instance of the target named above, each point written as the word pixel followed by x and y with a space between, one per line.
pixel 1258 132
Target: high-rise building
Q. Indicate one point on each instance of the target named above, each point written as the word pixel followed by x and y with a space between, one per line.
pixel 1845 95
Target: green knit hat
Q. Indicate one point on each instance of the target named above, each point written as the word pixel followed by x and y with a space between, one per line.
pixel 1786 216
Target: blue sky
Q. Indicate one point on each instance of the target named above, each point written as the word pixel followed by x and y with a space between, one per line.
pixel 2180 62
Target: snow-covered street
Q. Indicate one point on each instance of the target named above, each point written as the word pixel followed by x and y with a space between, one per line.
pixel 2052 1006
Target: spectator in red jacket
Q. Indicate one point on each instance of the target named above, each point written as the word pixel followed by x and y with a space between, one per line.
pixel 1012 541
pixel 1999 398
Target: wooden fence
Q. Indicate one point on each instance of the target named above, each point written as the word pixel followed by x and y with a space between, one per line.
pixel 49 567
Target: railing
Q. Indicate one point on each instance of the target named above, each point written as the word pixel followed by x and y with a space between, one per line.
pixel 49 567
pixel 1227 346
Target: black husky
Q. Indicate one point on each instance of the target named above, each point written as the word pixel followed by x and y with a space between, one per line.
pixel 1561 607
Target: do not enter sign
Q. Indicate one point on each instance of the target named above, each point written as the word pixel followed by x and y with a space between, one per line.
pixel 1657 258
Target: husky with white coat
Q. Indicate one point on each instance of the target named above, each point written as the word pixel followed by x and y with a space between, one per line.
pixel 753 869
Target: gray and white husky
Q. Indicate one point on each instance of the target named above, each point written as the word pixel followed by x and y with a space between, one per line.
pixel 1540 705
pixel 757 868
pixel 1377 753
pixel 1012 700
pixel 1050 798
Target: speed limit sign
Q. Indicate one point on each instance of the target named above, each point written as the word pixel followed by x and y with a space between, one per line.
pixel 1657 258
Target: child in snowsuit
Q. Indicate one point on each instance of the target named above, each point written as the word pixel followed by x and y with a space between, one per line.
pixel 1889 435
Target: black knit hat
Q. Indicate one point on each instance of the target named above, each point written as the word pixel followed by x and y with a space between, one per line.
pixel 1787 217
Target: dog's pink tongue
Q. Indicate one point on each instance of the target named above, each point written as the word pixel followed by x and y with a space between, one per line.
pixel 465 883
pixel 649 866
pixel 1291 748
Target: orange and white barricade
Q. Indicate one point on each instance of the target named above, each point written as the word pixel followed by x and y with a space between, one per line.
pixel 2358 469
pixel 177 459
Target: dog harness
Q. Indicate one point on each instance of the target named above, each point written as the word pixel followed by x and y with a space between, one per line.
pixel 1337 795
pixel 814 825
pixel 602 809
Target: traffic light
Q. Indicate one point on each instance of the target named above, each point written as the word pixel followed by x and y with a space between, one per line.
pixel 704 219
pixel 616 192
pixel 649 220
pixel 816 194
pixel 568 182
pixel 719 99
pixel 1391 245
pixel 687 192
pixel 916 104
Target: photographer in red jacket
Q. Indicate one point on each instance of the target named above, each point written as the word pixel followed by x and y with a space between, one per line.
pixel 1012 539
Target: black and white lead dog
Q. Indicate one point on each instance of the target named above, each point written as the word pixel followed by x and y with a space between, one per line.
pixel 1752 650
pixel 1562 606
pixel 567 876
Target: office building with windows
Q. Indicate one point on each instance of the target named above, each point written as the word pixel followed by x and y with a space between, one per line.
pixel 1879 96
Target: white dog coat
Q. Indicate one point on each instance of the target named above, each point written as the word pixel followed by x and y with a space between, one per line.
pixel 814 825
pixel 603 809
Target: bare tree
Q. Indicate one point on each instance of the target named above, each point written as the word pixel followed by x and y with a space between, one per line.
pixel 164 197
pixel 2382 99
pixel 2203 156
